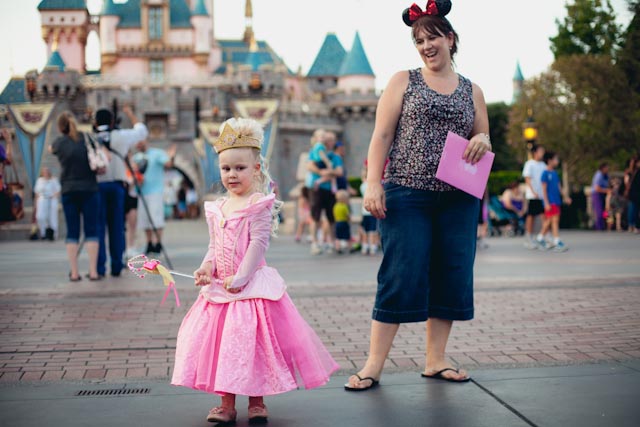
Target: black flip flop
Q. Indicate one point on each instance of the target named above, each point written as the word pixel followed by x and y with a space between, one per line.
pixel 438 376
pixel 374 383
pixel 77 279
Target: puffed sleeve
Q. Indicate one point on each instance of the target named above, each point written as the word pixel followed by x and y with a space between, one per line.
pixel 259 235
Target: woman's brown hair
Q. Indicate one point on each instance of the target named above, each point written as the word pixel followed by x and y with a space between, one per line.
pixel 67 125
pixel 434 24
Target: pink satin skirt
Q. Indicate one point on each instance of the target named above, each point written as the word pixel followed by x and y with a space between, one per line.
pixel 252 347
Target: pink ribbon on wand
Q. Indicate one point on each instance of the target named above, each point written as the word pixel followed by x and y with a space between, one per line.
pixel 140 264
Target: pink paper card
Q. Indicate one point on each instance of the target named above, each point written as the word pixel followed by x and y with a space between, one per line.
pixel 455 171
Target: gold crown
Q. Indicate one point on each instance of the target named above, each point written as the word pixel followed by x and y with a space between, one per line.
pixel 229 138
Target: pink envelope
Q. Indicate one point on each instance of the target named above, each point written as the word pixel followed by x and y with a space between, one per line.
pixel 455 171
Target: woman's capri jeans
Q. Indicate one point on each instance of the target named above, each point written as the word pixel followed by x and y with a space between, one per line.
pixel 429 245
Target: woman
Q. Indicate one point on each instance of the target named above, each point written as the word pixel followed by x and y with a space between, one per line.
pixel 632 194
pixel 428 228
pixel 80 197
pixel 47 191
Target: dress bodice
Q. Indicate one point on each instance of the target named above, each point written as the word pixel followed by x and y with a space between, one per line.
pixel 237 246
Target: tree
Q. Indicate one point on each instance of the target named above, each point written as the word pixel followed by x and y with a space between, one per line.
pixel 506 157
pixel 629 55
pixel 588 28
pixel 584 113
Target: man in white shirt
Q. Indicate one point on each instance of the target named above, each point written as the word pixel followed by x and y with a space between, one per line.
pixel 113 185
pixel 532 172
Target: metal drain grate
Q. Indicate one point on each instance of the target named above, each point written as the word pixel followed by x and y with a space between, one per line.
pixel 114 392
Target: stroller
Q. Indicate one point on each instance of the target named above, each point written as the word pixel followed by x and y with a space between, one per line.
pixel 500 217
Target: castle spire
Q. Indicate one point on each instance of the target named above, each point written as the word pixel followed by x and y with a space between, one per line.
pixel 248 30
pixel 518 83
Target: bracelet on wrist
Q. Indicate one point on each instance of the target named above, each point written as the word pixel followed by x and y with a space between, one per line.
pixel 487 139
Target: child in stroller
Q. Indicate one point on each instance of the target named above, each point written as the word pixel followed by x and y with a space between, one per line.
pixel 508 210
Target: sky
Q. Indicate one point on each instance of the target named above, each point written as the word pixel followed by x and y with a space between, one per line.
pixel 494 35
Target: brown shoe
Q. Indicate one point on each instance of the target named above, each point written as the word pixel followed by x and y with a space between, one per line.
pixel 220 414
pixel 258 414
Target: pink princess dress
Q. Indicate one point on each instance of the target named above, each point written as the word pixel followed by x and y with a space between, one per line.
pixel 254 342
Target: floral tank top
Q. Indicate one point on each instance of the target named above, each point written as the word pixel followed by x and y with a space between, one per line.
pixel 425 119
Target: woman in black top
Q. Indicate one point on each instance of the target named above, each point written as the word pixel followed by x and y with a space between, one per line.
pixel 80 197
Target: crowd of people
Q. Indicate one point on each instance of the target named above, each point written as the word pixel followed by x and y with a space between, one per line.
pixel 110 204
pixel 539 197
pixel 324 208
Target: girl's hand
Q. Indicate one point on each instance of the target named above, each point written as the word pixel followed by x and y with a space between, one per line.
pixel 203 275
pixel 477 147
pixel 374 199
pixel 226 283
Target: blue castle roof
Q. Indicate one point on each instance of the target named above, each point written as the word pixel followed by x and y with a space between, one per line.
pixel 517 76
pixel 356 62
pixel 237 52
pixel 329 59
pixel 15 92
pixel 62 4
pixel 200 8
pixel 108 8
pixel 56 61
pixel 129 13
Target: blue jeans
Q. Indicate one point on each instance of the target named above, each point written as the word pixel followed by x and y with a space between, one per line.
pixel 85 205
pixel 111 221
pixel 429 246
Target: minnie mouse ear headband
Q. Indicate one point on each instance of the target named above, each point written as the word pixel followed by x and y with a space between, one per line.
pixel 433 8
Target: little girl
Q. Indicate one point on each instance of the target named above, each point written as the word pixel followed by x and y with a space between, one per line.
pixel 304 213
pixel 243 335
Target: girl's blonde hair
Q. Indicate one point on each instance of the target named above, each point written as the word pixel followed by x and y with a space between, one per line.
pixel 67 125
pixel 263 183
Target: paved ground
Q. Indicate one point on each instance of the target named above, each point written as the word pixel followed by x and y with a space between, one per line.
pixel 547 326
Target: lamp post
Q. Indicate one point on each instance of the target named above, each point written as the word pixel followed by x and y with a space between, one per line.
pixel 529 131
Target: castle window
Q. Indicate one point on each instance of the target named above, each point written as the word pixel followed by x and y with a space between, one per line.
pixel 156 68
pixel 155 23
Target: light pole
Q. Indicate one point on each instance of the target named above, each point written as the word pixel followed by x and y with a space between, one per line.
pixel 530 131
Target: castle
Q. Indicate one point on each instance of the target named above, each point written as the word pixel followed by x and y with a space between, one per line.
pixel 163 58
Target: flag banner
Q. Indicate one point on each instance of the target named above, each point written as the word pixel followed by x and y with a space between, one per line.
pixel 30 122
pixel 24 143
pixel 270 133
pixel 210 131
pixel 31 118
pixel 258 109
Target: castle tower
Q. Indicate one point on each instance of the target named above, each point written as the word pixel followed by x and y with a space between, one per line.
pixel 64 25
pixel 202 26
pixel 325 69
pixel 355 72
pixel 248 16
pixel 109 20
pixel 518 83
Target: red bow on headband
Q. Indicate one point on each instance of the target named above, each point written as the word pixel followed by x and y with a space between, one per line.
pixel 415 12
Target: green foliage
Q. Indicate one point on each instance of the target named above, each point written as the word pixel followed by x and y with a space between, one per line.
pixel 629 55
pixel 588 28
pixel 506 156
pixel 585 112
pixel 354 182
pixel 499 180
